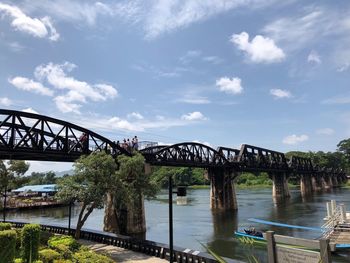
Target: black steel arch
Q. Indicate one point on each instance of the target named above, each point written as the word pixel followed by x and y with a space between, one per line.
pixel 30 136
pixel 188 154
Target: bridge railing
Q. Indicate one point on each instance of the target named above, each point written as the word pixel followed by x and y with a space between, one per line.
pixel 143 246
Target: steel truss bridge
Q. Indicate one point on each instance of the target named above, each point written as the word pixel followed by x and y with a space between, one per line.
pixel 29 136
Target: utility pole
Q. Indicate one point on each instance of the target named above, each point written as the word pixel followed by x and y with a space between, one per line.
pixel 171 248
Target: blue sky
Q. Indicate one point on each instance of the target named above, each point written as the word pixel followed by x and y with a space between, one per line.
pixel 222 72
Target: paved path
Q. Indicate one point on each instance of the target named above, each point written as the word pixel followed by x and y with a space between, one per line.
pixel 120 254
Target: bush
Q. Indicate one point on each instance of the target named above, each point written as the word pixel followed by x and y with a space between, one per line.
pixel 30 242
pixel 62 261
pixel 7 245
pixel 19 238
pixel 68 241
pixel 64 251
pixel 18 260
pixel 48 255
pixel 90 256
pixel 5 226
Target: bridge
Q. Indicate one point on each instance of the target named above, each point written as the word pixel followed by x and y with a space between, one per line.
pixel 29 136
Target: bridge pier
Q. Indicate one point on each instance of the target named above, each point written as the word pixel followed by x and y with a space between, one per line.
pixel 335 181
pixel 280 189
pixel 305 184
pixel 328 181
pixel 324 183
pixel 222 189
pixel 316 183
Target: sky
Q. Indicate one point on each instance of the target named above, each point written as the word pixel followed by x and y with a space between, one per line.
pixel 269 73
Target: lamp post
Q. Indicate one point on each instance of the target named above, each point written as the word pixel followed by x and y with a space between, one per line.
pixel 171 248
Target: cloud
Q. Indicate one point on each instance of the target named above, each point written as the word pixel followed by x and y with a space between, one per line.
pixel 194 116
pixel 325 131
pixel 230 86
pixel 189 56
pixel 344 67
pixel 295 139
pixel 135 115
pixel 213 59
pixel 337 100
pixel 30 110
pixel 6 102
pixel 193 99
pixel 314 57
pixel 280 93
pixel 157 72
pixel 30 85
pixel 260 50
pixel 165 16
pixel 70 92
pixel 41 28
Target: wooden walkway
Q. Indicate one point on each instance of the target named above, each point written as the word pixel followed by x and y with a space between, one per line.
pixel 120 254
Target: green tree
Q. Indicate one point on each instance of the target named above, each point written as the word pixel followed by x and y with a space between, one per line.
pixel 124 211
pixel 344 147
pixel 93 177
pixel 11 174
pixel 42 178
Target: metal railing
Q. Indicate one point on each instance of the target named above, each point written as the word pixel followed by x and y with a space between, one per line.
pixel 143 246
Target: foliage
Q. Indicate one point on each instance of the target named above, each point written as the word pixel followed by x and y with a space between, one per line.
pixel 42 178
pixel 30 242
pixel 5 226
pixel 89 184
pixel 181 176
pixel 7 245
pixel 344 147
pixel 249 179
pixel 68 241
pixel 87 256
pixel 10 174
pixel 48 255
pixel 62 261
pixel 18 260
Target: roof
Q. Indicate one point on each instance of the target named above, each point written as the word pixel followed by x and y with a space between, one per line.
pixel 40 188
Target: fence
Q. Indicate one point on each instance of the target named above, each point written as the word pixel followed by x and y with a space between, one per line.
pixel 144 246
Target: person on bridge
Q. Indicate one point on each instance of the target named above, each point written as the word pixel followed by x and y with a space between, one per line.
pixel 135 143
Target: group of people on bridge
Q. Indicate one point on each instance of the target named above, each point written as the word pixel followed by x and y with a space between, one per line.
pixel 129 145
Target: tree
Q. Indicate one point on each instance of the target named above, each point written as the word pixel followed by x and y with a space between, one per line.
pixel 11 174
pixel 124 211
pixel 93 177
pixel 42 178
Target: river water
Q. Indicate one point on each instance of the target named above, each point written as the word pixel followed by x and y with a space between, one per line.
pixel 195 223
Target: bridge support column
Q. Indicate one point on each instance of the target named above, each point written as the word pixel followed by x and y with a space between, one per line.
pixel 324 183
pixel 305 184
pixel 280 187
pixel 222 189
pixel 329 182
pixel 335 181
pixel 316 183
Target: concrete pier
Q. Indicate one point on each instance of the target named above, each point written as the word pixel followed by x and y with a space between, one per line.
pixel 305 184
pixel 316 183
pixel 222 189
pixel 280 187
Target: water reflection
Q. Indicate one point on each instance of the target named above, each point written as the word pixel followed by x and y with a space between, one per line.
pixel 195 223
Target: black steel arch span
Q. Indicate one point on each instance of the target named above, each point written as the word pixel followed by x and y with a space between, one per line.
pixel 30 136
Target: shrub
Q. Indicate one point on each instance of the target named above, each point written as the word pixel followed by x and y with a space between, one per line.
pixel 62 261
pixel 5 226
pixel 64 251
pixel 7 245
pixel 67 241
pixel 48 255
pixel 19 238
pixel 18 260
pixel 90 256
pixel 30 242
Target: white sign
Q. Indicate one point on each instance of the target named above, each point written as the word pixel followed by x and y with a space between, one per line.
pixel 295 255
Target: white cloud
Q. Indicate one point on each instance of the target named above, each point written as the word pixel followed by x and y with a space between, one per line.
pixel 213 59
pixel 41 28
pixel 135 115
pixel 30 110
pixel 193 99
pixel 314 57
pixel 337 100
pixel 30 85
pixel 343 67
pixel 260 50
pixel 231 86
pixel 191 54
pixel 295 139
pixel 325 131
pixel 280 93
pixel 6 102
pixel 165 16
pixel 194 116
pixel 70 92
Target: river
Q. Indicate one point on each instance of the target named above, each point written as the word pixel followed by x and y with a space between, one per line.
pixel 195 223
